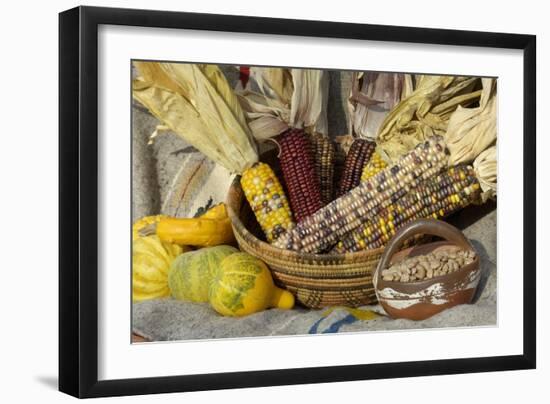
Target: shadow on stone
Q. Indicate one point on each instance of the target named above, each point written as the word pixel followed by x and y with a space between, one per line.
pixel 336 112
pixel 486 266
pixel 470 215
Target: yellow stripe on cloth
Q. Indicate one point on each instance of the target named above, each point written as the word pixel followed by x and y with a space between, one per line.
pixel 359 314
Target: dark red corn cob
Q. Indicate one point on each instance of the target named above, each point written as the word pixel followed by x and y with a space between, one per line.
pixel 358 156
pixel 298 167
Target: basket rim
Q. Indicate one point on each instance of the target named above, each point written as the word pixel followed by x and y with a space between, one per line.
pixel 235 195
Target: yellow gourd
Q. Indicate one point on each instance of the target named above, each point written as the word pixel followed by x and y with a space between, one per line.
pixel 243 285
pixel 151 260
pixel 218 211
pixel 144 222
pixel 211 229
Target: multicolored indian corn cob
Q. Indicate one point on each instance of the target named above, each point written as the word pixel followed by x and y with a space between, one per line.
pixel 358 155
pixel 323 229
pixel 437 197
pixel 373 167
pixel 267 200
pixel 299 173
pixel 323 152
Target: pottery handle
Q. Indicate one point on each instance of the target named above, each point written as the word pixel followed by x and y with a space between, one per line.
pixel 422 226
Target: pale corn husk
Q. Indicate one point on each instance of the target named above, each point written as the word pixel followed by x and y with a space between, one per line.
pixel 274 82
pixel 373 95
pixel 196 102
pixel 287 98
pixel 267 117
pixel 485 167
pixel 472 130
pixel 308 107
pixel 408 86
pixel 424 113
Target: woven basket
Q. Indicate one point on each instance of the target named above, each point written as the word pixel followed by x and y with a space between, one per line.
pixel 317 280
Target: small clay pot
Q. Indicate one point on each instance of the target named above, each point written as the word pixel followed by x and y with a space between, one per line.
pixel 422 299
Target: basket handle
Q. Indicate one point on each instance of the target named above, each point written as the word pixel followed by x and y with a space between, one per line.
pixel 422 226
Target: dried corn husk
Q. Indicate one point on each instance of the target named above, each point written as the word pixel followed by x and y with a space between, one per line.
pixel 287 98
pixel 267 117
pixel 274 82
pixel 373 95
pixel 485 167
pixel 472 130
pixel 268 111
pixel 424 113
pixel 308 107
pixel 196 102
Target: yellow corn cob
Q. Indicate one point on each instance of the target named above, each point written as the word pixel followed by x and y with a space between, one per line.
pixel 373 167
pixel 267 200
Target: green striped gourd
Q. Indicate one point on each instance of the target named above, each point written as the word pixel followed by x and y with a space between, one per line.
pixel 243 285
pixel 191 273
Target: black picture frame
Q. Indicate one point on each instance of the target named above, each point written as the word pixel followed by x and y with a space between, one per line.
pixel 78 201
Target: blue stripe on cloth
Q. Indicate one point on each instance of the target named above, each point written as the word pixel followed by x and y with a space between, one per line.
pixel 315 326
pixel 334 327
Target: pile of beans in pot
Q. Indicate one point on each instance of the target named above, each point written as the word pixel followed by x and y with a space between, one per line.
pixel 427 266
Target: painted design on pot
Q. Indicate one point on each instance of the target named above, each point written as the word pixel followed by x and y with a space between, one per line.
pixel 436 294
